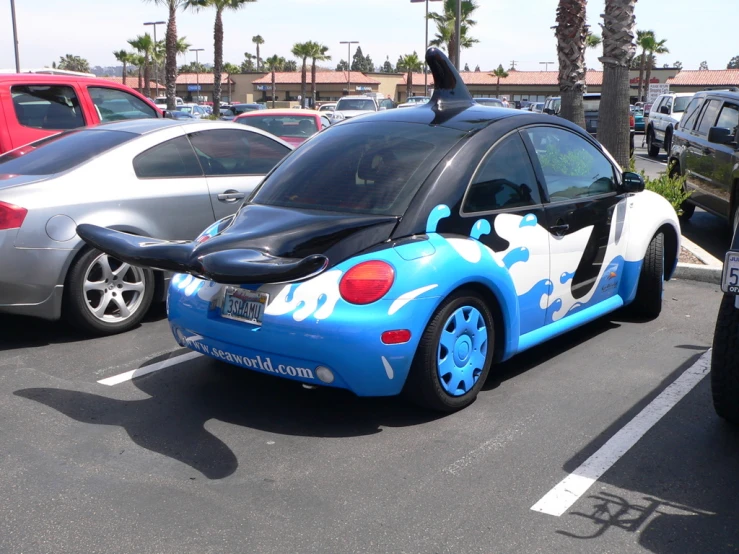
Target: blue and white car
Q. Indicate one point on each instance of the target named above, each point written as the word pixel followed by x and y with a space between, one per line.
pixel 411 250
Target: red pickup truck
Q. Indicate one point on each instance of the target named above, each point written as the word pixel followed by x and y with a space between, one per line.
pixel 34 106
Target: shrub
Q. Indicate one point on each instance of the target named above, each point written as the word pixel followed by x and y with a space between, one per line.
pixel 672 188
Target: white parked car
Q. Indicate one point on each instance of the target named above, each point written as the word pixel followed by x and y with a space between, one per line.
pixel 352 106
pixel 196 111
pixel 666 113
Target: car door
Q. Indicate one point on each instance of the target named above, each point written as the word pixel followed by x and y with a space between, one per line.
pixel 699 160
pixel 655 117
pixel 111 104
pixel 585 216
pixel 235 161
pixel 721 176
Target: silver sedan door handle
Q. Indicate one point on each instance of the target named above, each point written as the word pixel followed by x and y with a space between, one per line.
pixel 231 196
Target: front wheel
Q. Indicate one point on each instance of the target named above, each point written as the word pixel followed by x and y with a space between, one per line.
pixel 648 301
pixel 454 354
pixel 724 366
pixel 105 296
pixel 652 148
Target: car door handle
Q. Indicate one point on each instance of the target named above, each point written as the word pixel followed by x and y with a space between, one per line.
pixel 231 196
pixel 560 228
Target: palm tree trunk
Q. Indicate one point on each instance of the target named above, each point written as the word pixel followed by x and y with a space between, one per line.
pixel 497 88
pixel 274 91
pixel 639 96
pixel 124 72
pixel 649 75
pixel 618 50
pixel 141 81
pixel 409 88
pixel 217 62
pixel 147 76
pixel 313 82
pixel 259 64
pixel 171 57
pixel 304 77
pixel 571 33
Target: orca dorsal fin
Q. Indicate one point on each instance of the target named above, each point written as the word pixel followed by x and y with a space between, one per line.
pixel 449 88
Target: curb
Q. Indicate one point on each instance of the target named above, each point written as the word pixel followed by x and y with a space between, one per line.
pixel 701 254
pixel 694 272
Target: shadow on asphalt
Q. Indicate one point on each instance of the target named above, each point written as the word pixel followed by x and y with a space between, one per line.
pixel 710 232
pixel 685 472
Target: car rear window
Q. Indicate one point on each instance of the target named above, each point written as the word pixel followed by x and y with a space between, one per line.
pixel 369 167
pixel 283 126
pixel 60 152
pixel 350 104
pixel 681 102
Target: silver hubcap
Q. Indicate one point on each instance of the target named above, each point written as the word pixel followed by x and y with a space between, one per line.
pixel 113 289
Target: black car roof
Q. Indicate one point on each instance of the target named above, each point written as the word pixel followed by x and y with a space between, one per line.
pixel 728 94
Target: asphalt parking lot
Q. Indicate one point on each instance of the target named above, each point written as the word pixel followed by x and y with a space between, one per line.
pixel 203 457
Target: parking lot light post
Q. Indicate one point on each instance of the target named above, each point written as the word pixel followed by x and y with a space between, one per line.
pixel 15 37
pixel 546 65
pixel 349 63
pixel 425 67
pixel 197 70
pixel 156 72
pixel 458 34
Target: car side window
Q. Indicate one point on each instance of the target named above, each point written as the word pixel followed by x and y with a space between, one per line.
pixel 658 103
pixel 115 105
pixel 504 179
pixel 691 114
pixel 325 122
pixel 572 167
pixel 47 107
pixel 236 152
pixel 729 117
pixel 172 159
pixel 668 104
pixel 709 116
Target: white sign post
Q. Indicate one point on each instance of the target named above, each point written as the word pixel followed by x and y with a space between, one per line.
pixel 655 89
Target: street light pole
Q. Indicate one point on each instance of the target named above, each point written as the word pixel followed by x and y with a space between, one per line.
pixel 349 63
pixel 15 37
pixel 458 35
pixel 546 65
pixel 425 65
pixel 156 72
pixel 197 72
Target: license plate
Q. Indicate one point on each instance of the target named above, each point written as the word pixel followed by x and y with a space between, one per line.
pixel 244 305
pixel 730 276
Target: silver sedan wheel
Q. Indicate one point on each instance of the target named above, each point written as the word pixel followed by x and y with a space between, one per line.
pixel 113 289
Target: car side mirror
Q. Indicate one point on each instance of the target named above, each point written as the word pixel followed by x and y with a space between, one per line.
pixel 632 182
pixel 665 110
pixel 721 135
pixel 166 114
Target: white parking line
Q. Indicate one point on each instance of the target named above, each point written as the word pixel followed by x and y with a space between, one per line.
pixel 129 375
pixel 558 500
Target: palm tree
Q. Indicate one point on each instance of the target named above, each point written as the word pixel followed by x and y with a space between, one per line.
pixel 409 63
pixel 571 33
pixel 220 6
pixel 274 63
pixel 71 62
pixel 138 61
pixel 258 40
pixel 144 45
pixel 171 47
pixel 302 50
pixel 317 54
pixel 618 50
pixel 446 30
pixel 643 41
pixel 500 73
pixel 653 48
pixel 123 57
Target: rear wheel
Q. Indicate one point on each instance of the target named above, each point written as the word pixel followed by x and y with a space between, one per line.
pixel 454 354
pixel 652 148
pixel 724 357
pixel 648 301
pixel 105 296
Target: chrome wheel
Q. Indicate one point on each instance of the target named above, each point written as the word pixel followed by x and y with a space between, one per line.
pixel 113 290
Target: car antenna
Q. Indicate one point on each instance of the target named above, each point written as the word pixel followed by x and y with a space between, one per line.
pixel 449 88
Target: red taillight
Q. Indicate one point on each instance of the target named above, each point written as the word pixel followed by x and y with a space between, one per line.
pixel 399 336
pixel 367 282
pixel 632 121
pixel 11 216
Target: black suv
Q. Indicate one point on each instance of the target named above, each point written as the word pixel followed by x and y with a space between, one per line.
pixel 704 149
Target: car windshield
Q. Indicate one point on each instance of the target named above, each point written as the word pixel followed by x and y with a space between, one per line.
pixel 283 126
pixel 243 108
pixel 355 104
pixel 380 168
pixel 591 104
pixel 60 152
pixel 489 102
pixel 681 102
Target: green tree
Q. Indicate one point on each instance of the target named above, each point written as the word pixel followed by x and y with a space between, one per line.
pixel 362 63
pixel 138 61
pixel 342 66
pixel 446 28
pixel 467 67
pixel 231 69
pixel 318 53
pixel 258 40
pixel 678 65
pixel 290 66
pixel 593 41
pixel 571 33
pixel 499 73
pixel 144 45
pixel 274 63
pixel 70 62
pixel 618 50
pixel 409 63
pixel 703 66
pixel 302 51
pixel 654 47
pixel 248 64
pixel 643 40
pixel 387 67
pixel 193 67
pixel 220 6
pixel 125 58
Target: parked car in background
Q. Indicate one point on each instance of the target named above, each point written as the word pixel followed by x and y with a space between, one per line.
pixel 228 113
pixel 162 100
pixel 537 107
pixel 164 177
pixel 639 120
pixel 552 105
pixel 177 114
pixel 704 150
pixel 327 107
pixel 414 101
pixel 352 106
pixel 492 102
pixel 34 106
pixel 198 112
pixel 293 128
pixel 666 112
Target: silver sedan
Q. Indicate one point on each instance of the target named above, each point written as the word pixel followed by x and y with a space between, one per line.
pixel 156 177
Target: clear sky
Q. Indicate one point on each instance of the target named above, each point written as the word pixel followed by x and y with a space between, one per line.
pixel 506 30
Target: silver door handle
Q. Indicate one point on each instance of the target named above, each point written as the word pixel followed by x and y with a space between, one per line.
pixel 231 196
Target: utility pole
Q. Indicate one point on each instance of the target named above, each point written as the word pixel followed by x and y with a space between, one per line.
pixel 156 72
pixel 513 64
pixel 349 63
pixel 197 72
pixel 15 37
pixel 425 47
pixel 546 65
pixel 458 35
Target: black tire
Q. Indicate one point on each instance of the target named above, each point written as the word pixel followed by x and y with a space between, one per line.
pixel 77 304
pixel 648 300
pixel 631 145
pixel 687 207
pixel 423 385
pixel 652 149
pixel 668 141
pixel 724 358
